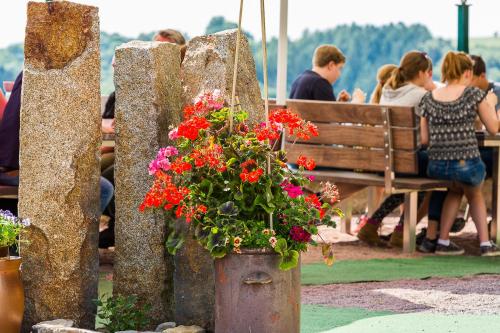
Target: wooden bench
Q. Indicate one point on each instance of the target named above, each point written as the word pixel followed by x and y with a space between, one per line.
pixel 365 145
pixel 8 192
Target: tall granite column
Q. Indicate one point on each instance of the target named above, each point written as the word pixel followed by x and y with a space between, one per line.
pixel 148 100
pixel 208 65
pixel 59 158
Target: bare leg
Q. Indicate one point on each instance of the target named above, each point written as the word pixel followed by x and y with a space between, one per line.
pixel 478 210
pixel 423 209
pixel 450 209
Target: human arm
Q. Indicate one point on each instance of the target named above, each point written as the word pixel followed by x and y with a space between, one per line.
pixel 108 126
pixel 358 96
pixel 424 131
pixel 487 114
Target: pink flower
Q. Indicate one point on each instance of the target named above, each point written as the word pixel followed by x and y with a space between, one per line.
pixel 167 152
pixel 292 190
pixel 173 135
pixel 273 241
pixel 159 164
pixel 311 178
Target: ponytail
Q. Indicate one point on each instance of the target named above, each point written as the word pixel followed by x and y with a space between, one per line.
pixel 383 75
pixel 455 64
pixel 411 64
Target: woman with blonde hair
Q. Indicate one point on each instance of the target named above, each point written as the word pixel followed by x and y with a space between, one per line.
pixel 383 75
pixel 405 87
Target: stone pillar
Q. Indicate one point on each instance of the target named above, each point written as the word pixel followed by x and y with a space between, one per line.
pixel 148 100
pixel 59 157
pixel 208 65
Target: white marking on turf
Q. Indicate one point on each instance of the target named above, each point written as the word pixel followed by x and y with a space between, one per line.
pixel 448 303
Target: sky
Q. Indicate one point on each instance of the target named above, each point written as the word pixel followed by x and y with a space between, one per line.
pixel 132 17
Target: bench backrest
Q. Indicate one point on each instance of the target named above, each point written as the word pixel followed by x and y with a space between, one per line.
pixel 365 137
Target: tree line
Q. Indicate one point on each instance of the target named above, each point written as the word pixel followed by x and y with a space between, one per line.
pixel 366 47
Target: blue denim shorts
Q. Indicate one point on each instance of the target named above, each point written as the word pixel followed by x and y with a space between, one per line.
pixel 469 172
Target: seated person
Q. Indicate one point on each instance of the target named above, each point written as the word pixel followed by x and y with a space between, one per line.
pixel 3 102
pixel 406 87
pixel 9 145
pixel 316 84
pixel 479 80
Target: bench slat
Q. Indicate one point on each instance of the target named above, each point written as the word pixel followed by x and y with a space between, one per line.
pixel 370 179
pixel 321 111
pixel 8 192
pixel 365 136
pixel 349 158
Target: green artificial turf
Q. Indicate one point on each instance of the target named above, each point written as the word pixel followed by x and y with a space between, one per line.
pixel 317 318
pixel 422 323
pixel 349 271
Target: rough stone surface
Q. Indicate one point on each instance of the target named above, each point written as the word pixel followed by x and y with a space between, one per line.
pixel 185 329
pixel 148 100
pixel 209 64
pixel 58 326
pixel 164 326
pixel 59 188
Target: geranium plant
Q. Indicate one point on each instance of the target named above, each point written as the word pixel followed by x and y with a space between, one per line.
pixel 10 229
pixel 233 188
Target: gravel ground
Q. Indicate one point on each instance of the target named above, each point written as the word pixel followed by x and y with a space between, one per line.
pixel 474 295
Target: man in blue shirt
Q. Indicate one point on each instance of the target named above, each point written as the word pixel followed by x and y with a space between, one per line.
pixel 316 84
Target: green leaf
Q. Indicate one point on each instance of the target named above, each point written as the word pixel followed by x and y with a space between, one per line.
pixel 338 211
pixel 206 187
pixel 281 246
pixel 289 260
pixel 231 161
pixel 218 252
pixel 174 242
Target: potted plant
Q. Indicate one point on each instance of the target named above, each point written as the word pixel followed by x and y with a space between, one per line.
pixel 243 204
pixel 11 288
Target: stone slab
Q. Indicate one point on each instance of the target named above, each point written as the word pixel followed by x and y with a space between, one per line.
pixel 59 162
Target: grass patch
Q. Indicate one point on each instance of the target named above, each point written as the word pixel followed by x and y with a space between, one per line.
pixel 349 271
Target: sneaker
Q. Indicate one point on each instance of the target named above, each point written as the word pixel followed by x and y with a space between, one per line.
pixel 421 236
pixel 369 234
pixel 427 245
pixel 490 251
pixel 450 250
pixel 396 239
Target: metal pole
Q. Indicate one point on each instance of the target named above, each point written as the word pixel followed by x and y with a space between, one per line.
pixel 463 27
pixel 281 84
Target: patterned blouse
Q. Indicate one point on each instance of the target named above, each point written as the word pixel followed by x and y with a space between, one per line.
pixel 451 125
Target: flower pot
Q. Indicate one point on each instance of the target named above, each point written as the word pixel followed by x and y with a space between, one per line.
pixel 253 295
pixel 11 295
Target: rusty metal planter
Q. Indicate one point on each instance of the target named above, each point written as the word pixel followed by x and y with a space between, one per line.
pixel 11 295
pixel 253 295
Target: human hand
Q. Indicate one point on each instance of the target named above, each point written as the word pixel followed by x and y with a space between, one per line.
pixel 358 96
pixel 344 96
pixel 108 126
